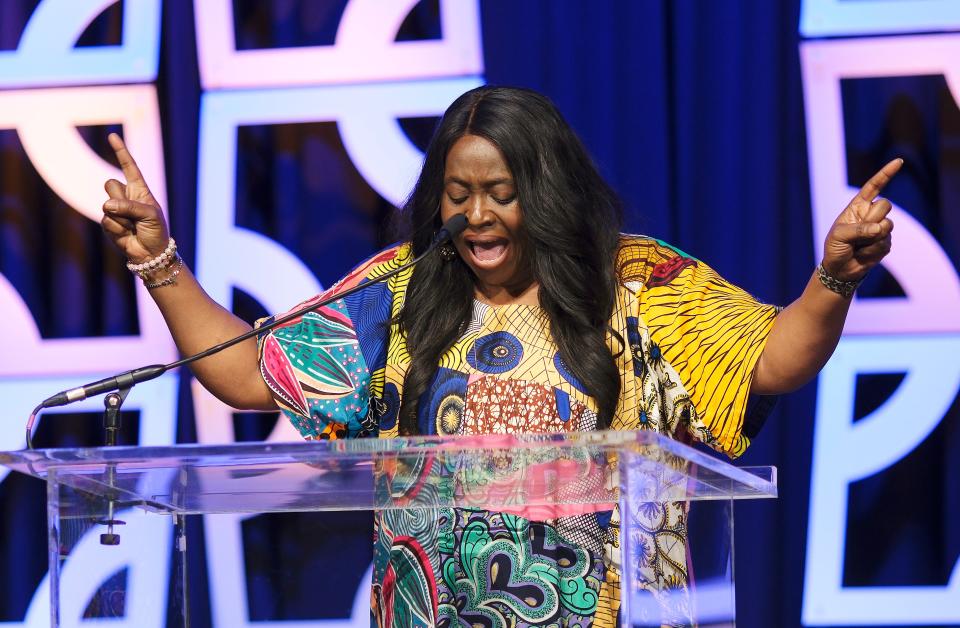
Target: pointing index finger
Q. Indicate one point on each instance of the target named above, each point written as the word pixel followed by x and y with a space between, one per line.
pixel 131 171
pixel 871 189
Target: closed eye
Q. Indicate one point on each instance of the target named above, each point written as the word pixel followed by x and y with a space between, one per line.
pixel 457 201
pixel 505 201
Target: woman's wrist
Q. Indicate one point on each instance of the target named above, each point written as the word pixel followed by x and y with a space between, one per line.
pixel 161 270
pixel 840 286
pixel 165 276
pixel 165 258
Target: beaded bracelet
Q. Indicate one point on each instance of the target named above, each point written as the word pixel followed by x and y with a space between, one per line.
pixel 169 279
pixel 155 263
pixel 145 275
pixel 843 288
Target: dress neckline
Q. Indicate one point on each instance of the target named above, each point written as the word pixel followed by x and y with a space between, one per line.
pixel 477 302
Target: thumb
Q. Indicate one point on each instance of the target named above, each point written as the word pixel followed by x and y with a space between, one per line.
pixel 115 189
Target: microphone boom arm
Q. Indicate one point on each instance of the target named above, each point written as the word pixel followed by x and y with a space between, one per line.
pixel 449 230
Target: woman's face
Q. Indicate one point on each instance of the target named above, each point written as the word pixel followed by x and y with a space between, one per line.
pixel 478 184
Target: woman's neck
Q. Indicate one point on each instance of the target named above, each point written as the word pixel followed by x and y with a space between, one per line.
pixel 528 294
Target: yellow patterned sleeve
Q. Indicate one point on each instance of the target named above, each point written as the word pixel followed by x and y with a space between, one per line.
pixel 710 332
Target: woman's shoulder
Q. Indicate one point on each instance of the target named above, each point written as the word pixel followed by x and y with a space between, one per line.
pixel 375 266
pixel 367 271
pixel 386 259
pixel 645 261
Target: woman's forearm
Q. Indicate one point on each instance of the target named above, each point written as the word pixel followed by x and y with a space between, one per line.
pixel 802 340
pixel 196 323
pixel 806 333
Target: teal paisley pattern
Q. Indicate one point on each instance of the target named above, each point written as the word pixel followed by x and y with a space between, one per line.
pixel 485 569
pixel 503 570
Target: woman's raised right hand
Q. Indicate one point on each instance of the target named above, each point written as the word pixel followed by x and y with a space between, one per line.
pixel 132 218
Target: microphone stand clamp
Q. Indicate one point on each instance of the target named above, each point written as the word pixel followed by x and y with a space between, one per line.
pixel 111 429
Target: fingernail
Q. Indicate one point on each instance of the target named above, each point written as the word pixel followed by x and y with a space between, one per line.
pixel 873 229
pixel 111 205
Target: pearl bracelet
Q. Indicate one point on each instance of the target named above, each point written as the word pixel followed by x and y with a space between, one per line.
pixel 155 263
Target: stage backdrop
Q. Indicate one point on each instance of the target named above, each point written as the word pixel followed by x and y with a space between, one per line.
pixel 279 136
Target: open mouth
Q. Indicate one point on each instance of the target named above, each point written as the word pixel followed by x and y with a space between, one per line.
pixel 486 252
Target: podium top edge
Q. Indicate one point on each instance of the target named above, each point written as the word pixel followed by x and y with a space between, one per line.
pixel 642 444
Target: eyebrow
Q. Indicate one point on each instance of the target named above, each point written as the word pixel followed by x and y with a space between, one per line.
pixel 486 184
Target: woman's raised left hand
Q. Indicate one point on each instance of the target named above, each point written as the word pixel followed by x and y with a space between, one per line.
pixel 860 236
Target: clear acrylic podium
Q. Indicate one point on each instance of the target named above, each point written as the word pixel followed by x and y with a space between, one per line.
pixel 90 491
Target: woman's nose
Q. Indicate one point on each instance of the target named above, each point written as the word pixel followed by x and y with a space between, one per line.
pixel 477 213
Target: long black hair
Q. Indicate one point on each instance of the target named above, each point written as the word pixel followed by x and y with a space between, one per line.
pixel 571 223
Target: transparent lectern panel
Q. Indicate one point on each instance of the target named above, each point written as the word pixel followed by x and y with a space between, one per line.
pixel 677 551
pixel 108 562
pixel 678 565
pixel 670 508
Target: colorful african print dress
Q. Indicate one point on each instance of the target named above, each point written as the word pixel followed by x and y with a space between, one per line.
pixel 693 342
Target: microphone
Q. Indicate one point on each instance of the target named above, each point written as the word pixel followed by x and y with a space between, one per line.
pixel 447 231
pixel 108 384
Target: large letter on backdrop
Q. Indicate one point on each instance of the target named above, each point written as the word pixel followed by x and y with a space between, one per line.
pixel 31 368
pixel 364 83
pixel 46 54
pixel 918 334
pixel 821 18
pixel 365 49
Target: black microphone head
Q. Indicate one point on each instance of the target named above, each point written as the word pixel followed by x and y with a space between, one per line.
pixel 452 227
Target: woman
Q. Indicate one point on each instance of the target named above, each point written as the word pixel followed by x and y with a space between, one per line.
pixel 539 317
